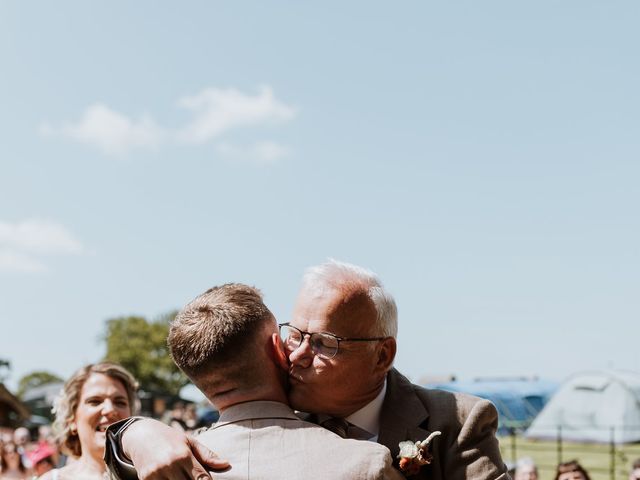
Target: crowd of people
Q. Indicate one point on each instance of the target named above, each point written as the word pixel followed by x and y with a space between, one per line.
pixel 22 456
pixel 100 394
pixel 526 469
pixel 73 447
pixel 334 360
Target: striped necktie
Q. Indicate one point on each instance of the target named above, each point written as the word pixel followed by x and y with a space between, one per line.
pixel 344 429
pixel 339 426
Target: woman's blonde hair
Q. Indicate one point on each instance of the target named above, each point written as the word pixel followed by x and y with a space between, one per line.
pixel 67 403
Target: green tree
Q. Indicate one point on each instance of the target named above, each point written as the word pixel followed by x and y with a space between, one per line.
pixel 140 346
pixel 35 379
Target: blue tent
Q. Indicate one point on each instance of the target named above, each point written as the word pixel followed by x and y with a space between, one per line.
pixel 518 400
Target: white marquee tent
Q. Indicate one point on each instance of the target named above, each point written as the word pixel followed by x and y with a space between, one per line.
pixel 595 406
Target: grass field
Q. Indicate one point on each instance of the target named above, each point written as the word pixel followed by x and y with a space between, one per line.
pixel 597 459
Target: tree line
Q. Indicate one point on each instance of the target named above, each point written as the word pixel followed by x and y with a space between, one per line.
pixel 139 345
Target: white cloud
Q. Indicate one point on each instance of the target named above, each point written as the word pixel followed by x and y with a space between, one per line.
pixel 215 111
pixel 22 244
pixel 38 236
pixel 262 153
pixel 112 132
pixel 219 110
pixel 19 262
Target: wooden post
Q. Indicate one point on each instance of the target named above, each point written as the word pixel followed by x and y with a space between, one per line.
pixel 612 451
pixel 559 444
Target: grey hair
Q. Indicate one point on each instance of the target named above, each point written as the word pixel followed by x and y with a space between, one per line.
pixel 346 277
pixel 526 462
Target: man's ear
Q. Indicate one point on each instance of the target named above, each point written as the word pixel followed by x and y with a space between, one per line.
pixel 279 355
pixel 386 354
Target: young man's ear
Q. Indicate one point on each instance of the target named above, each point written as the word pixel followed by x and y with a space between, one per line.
pixel 279 355
pixel 386 354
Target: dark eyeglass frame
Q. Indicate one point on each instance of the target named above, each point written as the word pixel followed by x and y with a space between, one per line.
pixel 337 338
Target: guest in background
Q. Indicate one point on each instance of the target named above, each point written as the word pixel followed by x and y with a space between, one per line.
pixel 526 469
pixel 42 459
pixel 571 471
pixel 92 399
pixel 634 474
pixel 21 439
pixel 11 466
pixel 176 419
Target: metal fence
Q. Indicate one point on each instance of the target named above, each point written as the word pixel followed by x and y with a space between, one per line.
pixel 609 460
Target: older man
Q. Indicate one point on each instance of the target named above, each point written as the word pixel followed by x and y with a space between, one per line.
pixel 347 372
pixel 341 344
pixel 227 342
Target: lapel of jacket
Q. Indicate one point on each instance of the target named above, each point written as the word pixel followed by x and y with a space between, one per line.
pixel 403 415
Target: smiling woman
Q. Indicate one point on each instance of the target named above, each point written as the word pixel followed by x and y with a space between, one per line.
pixel 93 398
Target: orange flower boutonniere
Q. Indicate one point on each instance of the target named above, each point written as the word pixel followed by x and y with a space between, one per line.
pixel 414 455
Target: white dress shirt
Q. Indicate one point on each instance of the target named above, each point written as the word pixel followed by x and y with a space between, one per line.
pixel 368 417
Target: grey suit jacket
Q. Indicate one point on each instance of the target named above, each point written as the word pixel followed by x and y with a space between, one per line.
pixel 467 448
pixel 266 440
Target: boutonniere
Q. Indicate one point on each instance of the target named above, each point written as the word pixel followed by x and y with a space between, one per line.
pixel 414 455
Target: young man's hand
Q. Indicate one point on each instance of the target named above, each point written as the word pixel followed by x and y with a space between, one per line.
pixel 159 452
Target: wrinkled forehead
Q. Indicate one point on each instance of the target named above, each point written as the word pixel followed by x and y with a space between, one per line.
pixel 335 311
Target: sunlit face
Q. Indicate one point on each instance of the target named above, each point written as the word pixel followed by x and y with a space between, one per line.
pixel 571 476
pixel 103 401
pixel 343 384
pixel 635 474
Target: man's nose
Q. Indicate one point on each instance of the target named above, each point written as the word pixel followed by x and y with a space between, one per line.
pixel 302 356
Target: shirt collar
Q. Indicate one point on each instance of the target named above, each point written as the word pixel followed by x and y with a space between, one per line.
pixel 368 417
pixel 254 410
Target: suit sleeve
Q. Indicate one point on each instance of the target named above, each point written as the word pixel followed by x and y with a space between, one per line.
pixel 381 466
pixel 475 453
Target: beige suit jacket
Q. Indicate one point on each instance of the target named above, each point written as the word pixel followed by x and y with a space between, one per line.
pixel 266 440
pixel 467 448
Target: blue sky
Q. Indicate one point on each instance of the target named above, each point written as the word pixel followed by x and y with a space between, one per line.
pixel 481 157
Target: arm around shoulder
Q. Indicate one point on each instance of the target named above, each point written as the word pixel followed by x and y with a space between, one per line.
pixel 381 463
pixel 158 451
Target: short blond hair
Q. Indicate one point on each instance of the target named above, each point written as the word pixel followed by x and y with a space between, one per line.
pixel 212 330
pixel 67 403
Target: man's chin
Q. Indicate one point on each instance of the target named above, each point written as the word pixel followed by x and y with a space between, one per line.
pixel 304 400
pixel 297 398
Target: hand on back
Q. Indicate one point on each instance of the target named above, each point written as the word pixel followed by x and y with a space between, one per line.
pixel 160 452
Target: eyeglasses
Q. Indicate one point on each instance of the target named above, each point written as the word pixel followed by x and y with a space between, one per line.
pixel 323 344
